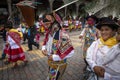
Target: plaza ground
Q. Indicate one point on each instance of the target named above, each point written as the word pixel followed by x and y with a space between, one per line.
pixel 37 68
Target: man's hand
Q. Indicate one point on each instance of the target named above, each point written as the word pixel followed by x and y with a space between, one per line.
pixel 99 71
pixel 44 52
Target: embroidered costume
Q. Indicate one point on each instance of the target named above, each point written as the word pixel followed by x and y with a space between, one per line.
pixel 13 49
pixel 59 46
pixel 89 34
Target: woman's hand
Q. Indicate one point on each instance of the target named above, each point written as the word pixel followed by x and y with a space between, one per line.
pixel 99 71
pixel 93 35
pixel 50 58
pixel 80 37
pixel 44 52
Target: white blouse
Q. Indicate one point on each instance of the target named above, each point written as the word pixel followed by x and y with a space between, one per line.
pixel 12 43
pixel 112 60
pixel 97 55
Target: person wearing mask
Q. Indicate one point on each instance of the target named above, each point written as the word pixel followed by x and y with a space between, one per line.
pixel 57 47
pixel 89 34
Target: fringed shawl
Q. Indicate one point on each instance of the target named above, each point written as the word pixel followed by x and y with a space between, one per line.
pixel 63 44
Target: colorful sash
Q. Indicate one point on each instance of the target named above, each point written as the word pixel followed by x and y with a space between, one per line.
pixel 61 44
pixel 56 70
pixel 16 37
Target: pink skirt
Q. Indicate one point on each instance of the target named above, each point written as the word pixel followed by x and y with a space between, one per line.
pixel 15 54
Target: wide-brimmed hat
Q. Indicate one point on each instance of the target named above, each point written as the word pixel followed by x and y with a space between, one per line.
pixel 107 21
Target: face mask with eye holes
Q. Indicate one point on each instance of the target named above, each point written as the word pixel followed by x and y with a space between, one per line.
pixel 55 28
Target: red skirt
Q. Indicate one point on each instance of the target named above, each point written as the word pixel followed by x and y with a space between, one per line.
pixel 15 54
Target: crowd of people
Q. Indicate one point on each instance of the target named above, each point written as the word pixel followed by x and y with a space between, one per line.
pixel 100 48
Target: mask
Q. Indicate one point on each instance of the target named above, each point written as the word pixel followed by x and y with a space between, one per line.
pixel 90 21
pixel 55 28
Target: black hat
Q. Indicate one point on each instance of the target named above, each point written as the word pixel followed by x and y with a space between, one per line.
pixel 107 21
pixel 93 17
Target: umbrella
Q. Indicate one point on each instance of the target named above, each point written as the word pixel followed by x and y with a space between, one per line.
pixel 27 10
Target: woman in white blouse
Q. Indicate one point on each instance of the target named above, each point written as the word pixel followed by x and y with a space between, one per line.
pixel 98 50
